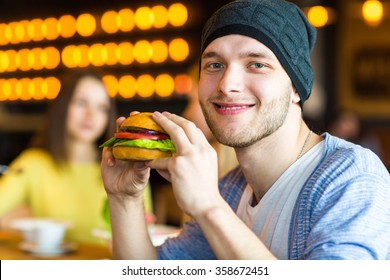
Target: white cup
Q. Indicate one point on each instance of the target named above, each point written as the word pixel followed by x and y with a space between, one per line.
pixel 48 234
pixel 42 233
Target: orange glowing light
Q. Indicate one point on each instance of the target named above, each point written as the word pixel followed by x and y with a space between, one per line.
pixel 144 18
pixel 67 56
pixel 22 60
pixel 10 89
pixel 111 84
pixel 67 26
pixel 177 14
pixel 127 86
pixel 51 28
pixel 53 57
pixel 3 94
pixel 142 51
pixel 22 89
pixel 110 51
pixel 178 49
pixel 160 16
pixel 183 84
pixel 96 55
pixel 145 86
pixel 12 60
pixel 159 51
pixel 165 85
pixel 85 25
pixel 372 12
pixel 3 37
pixel 35 58
pixel 11 33
pixel 4 61
pixel 53 87
pixel 35 28
pixel 109 22
pixel 318 16
pixel 125 53
pixel 125 19
pixel 35 88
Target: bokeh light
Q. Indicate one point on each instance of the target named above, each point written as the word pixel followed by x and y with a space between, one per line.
pixel 127 87
pixel 85 24
pixel 318 16
pixel 108 22
pixel 144 18
pixel 22 53
pixel 159 51
pixel 160 16
pixel 67 26
pixel 177 14
pixel 178 49
pixel 145 86
pixel 372 11
pixel 111 84
pixel 165 85
pixel 125 20
pixel 142 51
pixel 183 84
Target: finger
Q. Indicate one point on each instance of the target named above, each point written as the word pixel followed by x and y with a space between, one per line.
pixel 194 134
pixel 119 121
pixel 132 113
pixel 107 157
pixel 182 138
pixel 161 166
pixel 176 133
pixel 142 171
pixel 140 165
pixel 161 163
pixel 165 174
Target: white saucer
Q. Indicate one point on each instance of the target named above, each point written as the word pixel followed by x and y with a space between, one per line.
pixel 47 252
pixel 158 233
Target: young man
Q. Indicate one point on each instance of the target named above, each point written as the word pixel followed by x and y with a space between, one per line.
pixel 295 194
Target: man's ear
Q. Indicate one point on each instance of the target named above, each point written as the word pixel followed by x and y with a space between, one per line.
pixel 296 98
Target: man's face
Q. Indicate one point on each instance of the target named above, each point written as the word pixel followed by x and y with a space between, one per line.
pixel 244 91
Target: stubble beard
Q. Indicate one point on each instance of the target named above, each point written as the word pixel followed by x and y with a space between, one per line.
pixel 271 117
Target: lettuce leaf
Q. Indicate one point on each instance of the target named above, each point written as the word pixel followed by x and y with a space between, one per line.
pixel 165 145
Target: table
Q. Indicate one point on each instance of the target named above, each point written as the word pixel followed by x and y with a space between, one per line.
pixel 10 242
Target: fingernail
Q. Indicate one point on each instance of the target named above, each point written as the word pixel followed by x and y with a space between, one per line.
pixel 157 114
pixel 110 162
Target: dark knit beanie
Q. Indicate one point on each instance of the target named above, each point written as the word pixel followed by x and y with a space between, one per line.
pixel 279 25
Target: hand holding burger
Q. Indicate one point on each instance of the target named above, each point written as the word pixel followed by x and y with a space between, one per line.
pixel 140 138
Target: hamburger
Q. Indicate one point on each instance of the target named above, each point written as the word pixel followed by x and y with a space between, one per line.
pixel 140 138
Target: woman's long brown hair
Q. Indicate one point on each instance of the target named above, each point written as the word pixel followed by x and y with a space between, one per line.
pixel 52 138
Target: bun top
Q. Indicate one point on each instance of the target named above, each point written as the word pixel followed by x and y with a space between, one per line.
pixel 143 120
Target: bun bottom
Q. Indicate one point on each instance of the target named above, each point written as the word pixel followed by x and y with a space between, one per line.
pixel 135 153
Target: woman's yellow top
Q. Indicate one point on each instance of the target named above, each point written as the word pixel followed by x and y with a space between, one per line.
pixel 74 192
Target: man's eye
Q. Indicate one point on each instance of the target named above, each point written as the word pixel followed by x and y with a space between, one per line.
pixel 258 65
pixel 215 65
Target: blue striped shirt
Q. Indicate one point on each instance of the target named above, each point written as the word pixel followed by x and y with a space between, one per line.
pixel 342 211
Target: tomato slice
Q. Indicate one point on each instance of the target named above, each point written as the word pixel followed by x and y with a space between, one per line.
pixel 132 135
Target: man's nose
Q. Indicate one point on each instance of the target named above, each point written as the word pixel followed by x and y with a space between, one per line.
pixel 232 80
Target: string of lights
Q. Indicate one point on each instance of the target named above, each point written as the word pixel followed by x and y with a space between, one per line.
pixel 16 58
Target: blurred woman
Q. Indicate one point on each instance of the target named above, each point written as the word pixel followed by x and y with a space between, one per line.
pixel 59 175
